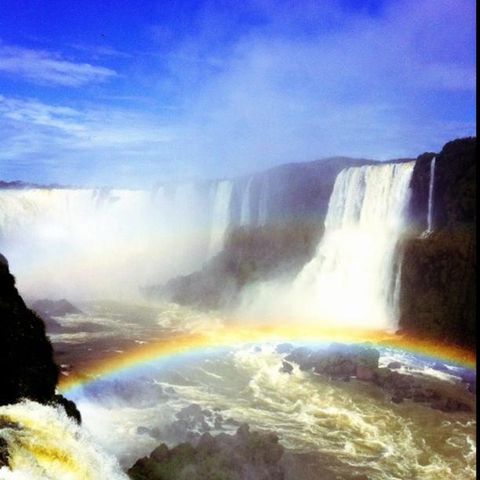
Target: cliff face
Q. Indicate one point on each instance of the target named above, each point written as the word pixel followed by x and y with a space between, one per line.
pixel 301 191
pixel 26 355
pixel 249 255
pixel 454 187
pixel 437 297
pixel 439 269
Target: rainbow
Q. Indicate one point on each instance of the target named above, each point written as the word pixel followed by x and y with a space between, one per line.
pixel 224 337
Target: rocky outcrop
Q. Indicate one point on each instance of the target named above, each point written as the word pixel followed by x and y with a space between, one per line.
pixel 249 255
pixel 437 297
pixel 54 308
pixel 246 455
pixel 26 355
pixel 48 309
pixel 346 362
pixel 454 194
pixel 337 360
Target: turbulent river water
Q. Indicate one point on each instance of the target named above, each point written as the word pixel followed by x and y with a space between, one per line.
pixel 351 423
pixel 92 243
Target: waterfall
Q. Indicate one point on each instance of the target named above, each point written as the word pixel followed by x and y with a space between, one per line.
pixel 351 277
pixel 221 194
pixel 102 243
pixel 43 443
pixel 431 186
pixel 263 202
pixel 245 206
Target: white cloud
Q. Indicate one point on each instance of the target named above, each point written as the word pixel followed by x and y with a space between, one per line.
pixel 93 144
pixel 390 85
pixel 98 51
pixel 48 68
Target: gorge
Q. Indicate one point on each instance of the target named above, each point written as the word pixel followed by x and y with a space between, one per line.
pixel 162 348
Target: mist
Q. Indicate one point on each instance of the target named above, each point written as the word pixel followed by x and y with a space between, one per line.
pixel 84 244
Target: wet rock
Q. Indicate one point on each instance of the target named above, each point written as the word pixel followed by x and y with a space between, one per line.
pixel 450 405
pixel 160 453
pixel 54 308
pixel 192 421
pixel 206 444
pixel 397 398
pixel 246 454
pixel 342 362
pixel 302 357
pixel 366 374
pixel 28 369
pixel 4 455
pixel 193 413
pixel 440 367
pixel 286 367
pixel 419 396
pixel 337 361
pixel 394 365
pixel 69 407
pixel 468 376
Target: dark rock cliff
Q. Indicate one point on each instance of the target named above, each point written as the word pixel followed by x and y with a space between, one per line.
pixel 438 272
pixel 438 269
pixel 26 354
pixel 249 255
pixel 299 191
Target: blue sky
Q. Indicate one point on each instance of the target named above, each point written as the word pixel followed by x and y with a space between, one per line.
pixel 127 93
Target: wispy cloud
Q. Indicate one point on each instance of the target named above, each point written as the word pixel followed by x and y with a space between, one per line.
pixel 303 80
pixel 44 67
pixel 98 51
pixel 59 142
pixel 388 85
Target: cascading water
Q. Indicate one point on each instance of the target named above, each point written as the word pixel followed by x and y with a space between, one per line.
pixel 221 194
pixel 349 281
pixel 245 206
pixel 101 243
pixel 44 444
pixel 431 186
